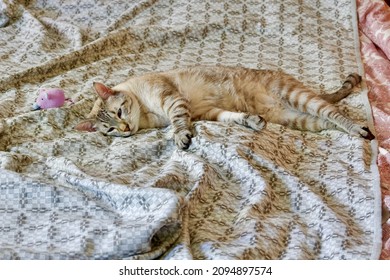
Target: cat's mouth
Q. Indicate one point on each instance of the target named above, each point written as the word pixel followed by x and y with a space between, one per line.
pixel 126 130
pixel 123 130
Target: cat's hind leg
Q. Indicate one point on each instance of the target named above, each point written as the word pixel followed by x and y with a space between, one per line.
pixel 327 111
pixel 255 122
pixel 308 102
pixel 301 121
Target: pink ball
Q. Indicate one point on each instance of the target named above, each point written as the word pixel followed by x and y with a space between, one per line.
pixel 49 98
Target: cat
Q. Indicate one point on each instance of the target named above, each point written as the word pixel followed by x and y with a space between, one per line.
pixel 239 95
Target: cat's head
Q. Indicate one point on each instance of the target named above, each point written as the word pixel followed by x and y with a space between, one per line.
pixel 118 115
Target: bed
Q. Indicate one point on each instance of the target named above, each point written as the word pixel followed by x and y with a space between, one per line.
pixel 235 193
pixel 374 28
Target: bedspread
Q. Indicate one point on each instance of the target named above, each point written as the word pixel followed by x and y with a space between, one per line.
pixel 235 193
pixel 374 27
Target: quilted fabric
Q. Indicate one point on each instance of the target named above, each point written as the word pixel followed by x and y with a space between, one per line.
pixel 235 193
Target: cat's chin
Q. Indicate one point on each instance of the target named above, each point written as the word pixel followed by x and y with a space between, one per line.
pixel 122 134
pixel 126 134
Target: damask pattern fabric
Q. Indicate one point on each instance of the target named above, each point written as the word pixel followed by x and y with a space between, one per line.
pixel 374 26
pixel 235 193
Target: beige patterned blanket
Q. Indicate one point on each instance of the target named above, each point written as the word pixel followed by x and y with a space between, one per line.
pixel 235 193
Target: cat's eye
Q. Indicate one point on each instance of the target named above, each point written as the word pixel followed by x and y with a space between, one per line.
pixel 110 129
pixel 119 113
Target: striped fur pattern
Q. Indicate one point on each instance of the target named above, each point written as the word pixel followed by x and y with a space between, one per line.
pixel 244 96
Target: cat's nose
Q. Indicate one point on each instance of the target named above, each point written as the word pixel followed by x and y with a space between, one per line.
pixel 124 127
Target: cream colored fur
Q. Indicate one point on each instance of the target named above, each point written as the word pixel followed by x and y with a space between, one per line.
pixel 229 94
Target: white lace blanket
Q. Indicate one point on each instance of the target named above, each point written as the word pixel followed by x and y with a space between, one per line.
pixel 236 193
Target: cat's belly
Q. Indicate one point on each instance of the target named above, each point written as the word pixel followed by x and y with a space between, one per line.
pixel 266 106
pixel 266 109
pixel 272 114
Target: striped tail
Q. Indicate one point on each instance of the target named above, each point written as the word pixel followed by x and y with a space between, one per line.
pixel 351 81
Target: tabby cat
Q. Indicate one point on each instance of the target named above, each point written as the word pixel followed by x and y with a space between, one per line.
pixel 229 94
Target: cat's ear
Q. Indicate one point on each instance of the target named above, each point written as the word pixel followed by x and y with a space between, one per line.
pixel 102 90
pixel 86 125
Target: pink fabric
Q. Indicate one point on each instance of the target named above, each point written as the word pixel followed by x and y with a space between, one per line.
pixel 374 31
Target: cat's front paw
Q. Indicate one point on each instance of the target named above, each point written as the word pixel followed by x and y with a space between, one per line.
pixel 183 139
pixel 255 122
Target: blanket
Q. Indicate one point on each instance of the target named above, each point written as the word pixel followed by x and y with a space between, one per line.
pixel 374 26
pixel 235 193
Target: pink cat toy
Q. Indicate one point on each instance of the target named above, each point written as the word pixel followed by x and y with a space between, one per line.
pixel 50 98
